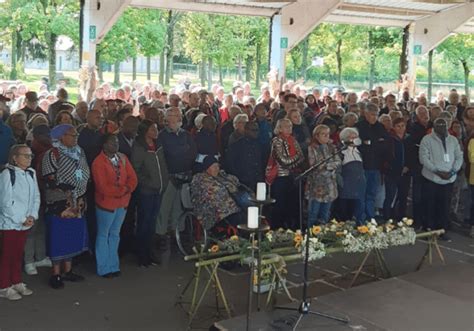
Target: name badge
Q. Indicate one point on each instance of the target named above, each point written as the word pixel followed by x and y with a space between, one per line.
pixel 78 174
pixel 446 157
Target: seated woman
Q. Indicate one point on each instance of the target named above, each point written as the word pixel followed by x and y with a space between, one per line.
pixel 211 195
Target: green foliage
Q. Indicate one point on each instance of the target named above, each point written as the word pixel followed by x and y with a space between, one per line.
pixel 458 49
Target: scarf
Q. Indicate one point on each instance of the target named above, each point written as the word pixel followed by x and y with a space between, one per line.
pixel 290 141
pixel 71 152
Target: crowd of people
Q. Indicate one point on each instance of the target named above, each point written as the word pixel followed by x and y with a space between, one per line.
pixel 108 175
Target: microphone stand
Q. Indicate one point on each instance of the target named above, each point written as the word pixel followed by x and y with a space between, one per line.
pixel 304 306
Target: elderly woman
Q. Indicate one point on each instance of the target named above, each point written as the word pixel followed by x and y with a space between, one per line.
pixel 211 194
pixel 63 117
pixel 285 159
pixel 19 205
pixel 321 188
pixel 115 180
pixel 66 173
pixel 352 192
pixel 17 122
pixel 300 129
pixel 148 160
pixel 239 128
pixel 349 120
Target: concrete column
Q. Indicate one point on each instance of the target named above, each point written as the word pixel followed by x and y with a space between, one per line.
pixel 411 60
pixel 277 54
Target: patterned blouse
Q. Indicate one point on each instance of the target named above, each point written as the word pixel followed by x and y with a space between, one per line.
pixel 211 198
pixel 322 185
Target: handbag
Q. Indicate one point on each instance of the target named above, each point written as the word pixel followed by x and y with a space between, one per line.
pixel 271 171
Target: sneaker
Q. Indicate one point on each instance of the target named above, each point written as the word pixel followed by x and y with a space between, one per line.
pixel 22 289
pixel 72 277
pixel 30 269
pixel 10 294
pixel 46 262
pixel 56 282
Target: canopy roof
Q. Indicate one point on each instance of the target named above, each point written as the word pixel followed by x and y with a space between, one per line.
pixel 366 12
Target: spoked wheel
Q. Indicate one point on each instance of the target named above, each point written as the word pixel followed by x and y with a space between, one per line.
pixel 193 237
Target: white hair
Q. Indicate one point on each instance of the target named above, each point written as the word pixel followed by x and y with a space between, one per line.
pixel 346 132
pixel 240 118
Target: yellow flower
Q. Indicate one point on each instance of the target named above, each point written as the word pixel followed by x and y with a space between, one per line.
pixel 298 238
pixel 234 238
pixel 214 248
pixel 339 234
pixel 363 229
pixel 315 230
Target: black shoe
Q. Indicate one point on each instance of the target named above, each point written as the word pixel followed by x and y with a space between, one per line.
pixel 109 275
pixel 116 274
pixel 72 277
pixel 56 282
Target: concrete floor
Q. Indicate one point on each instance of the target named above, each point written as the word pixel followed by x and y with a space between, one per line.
pixel 144 299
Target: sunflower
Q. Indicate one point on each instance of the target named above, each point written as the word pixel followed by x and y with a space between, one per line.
pixel 315 230
pixel 298 239
pixel 214 248
pixel 363 229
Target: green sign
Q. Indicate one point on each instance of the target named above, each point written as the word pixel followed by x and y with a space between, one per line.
pixel 283 42
pixel 92 32
pixel 417 50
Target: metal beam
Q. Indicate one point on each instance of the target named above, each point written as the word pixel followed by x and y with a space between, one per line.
pixel 216 8
pixel 441 2
pixel 375 9
pixel 361 20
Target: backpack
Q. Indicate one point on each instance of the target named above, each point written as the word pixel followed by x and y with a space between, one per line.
pixel 13 174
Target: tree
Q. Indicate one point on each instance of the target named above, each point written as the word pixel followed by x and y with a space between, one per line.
pixel 459 49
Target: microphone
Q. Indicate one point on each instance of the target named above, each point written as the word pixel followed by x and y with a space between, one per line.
pixel 352 142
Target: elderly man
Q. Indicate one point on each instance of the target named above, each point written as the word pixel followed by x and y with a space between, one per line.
pixel 31 105
pixel 418 130
pixel 180 153
pixel 441 158
pixel 79 114
pixel 373 136
pixel 56 107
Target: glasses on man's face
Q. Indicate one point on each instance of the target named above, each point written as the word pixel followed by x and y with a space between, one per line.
pixel 27 155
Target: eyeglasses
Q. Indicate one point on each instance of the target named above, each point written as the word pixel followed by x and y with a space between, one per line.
pixel 28 156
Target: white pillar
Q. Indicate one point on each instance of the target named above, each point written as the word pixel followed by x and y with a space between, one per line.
pixel 88 45
pixel 411 58
pixel 277 54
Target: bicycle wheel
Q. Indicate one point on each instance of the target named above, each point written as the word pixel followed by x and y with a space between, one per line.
pixel 193 236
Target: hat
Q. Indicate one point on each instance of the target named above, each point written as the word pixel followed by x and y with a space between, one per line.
pixel 208 161
pixel 41 130
pixel 60 130
pixel 31 96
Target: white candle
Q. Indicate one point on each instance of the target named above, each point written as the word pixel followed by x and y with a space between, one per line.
pixel 252 217
pixel 261 191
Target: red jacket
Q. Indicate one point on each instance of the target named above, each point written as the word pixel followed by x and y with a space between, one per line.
pixel 112 192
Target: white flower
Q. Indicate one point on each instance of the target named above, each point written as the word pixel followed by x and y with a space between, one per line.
pixel 390 221
pixel 333 227
pixel 405 219
pixel 400 224
pixel 409 222
pixel 373 221
pixel 298 232
pixel 345 232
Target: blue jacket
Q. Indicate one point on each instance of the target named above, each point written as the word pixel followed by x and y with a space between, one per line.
pixel 19 201
pixel 180 150
pixel 6 141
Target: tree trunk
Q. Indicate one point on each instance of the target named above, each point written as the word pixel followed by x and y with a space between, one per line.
pixel 248 69
pixel 209 75
pixel 240 67
pixel 134 68
pixel 203 72
pixel 339 62
pixel 13 72
pixel 221 78
pixel 52 60
pixel 170 46
pixel 466 78
pixel 404 54
pixel 148 67
pixel 100 73
pixel 171 75
pixel 430 74
pixel 117 73
pixel 304 62
pixel 372 61
pixel 258 64
pixel 161 78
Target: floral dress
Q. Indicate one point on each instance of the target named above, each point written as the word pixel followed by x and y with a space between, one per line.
pixel 321 184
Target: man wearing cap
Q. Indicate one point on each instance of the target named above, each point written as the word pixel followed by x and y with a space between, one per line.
pixel 56 107
pixel 441 158
pixel 31 105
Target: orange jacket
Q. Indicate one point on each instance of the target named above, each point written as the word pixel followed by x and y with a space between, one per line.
pixel 112 192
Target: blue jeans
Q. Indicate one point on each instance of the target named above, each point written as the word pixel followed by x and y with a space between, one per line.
pixel 318 211
pixel 108 239
pixel 373 183
pixel 148 210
